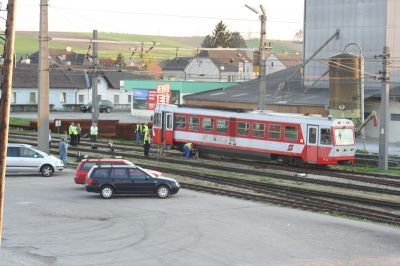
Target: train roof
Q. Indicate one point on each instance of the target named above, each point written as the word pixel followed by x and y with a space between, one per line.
pixel 259 115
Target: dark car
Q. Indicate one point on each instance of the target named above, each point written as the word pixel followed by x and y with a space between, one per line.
pixel 104 106
pixel 128 179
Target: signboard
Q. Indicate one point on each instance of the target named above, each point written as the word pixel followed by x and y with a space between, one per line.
pixel 57 122
pixel 152 100
pixel 164 93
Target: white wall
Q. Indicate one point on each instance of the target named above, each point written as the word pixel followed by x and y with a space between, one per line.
pixel 394 126
pixel 105 93
pixel 273 65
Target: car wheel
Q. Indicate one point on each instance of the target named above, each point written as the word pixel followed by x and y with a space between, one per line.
pixel 106 192
pixel 163 192
pixel 108 109
pixel 47 170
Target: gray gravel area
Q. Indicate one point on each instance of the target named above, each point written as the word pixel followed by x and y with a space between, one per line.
pixel 52 221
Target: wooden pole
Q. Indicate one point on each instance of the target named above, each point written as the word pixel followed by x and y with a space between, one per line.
pixel 5 99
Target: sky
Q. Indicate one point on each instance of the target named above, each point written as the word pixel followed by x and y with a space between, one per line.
pixel 161 17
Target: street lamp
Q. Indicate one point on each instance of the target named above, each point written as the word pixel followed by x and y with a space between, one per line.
pixel 221 68
pixel 263 55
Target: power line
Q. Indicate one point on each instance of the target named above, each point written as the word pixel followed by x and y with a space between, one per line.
pixel 169 15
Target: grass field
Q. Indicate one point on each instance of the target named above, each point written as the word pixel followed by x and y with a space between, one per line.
pixel 27 43
pixel 19 121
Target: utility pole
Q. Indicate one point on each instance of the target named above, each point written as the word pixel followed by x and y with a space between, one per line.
pixel 262 56
pixel 95 104
pixel 43 104
pixel 384 116
pixel 5 99
pixel 263 60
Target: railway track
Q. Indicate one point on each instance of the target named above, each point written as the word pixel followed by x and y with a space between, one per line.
pixel 315 205
pixel 334 203
pixel 391 188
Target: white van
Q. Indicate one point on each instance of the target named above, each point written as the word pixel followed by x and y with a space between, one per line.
pixel 25 158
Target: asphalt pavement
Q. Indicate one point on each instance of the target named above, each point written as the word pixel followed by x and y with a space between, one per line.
pixel 52 221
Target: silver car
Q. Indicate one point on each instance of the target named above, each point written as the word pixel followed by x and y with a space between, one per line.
pixel 25 158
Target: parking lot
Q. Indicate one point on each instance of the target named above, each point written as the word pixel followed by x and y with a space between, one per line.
pixel 52 221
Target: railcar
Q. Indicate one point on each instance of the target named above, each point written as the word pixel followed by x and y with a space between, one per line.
pixel 293 138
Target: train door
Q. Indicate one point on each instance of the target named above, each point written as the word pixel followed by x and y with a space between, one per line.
pixel 312 144
pixel 232 131
pixel 167 128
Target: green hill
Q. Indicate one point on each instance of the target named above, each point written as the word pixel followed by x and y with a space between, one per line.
pixel 27 43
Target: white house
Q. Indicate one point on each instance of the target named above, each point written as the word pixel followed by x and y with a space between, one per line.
pixel 211 65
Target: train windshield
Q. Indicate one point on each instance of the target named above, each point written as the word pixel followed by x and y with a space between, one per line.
pixel 344 136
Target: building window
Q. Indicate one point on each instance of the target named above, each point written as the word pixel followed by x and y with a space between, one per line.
pixel 272 64
pixel 243 128
pixel 222 126
pixel 274 132
pixel 98 97
pixel 116 99
pixel 326 136
pixel 63 97
pixel 14 97
pixel 129 98
pixel 81 98
pixel 258 130
pixel 32 97
pixel 194 123
pixel 291 133
pixel 231 78
pixel 208 124
pixel 180 122
pixel 395 117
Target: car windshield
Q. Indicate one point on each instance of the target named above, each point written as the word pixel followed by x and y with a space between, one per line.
pixel 344 136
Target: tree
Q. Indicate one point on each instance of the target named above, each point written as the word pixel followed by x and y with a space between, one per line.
pixel 298 37
pixel 121 60
pixel 221 37
pixel 237 41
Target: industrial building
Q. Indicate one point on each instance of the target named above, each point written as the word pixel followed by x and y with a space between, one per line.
pixel 330 26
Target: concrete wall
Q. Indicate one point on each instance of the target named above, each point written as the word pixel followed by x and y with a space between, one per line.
pixel 394 126
pixel 372 24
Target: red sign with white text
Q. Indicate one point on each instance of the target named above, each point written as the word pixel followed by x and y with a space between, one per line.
pixel 152 100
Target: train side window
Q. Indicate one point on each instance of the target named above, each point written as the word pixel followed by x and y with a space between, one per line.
pixel 326 136
pixel 291 133
pixel 180 122
pixel 222 126
pixel 312 135
pixel 208 124
pixel 274 131
pixel 243 128
pixel 258 130
pixel 157 120
pixel 194 123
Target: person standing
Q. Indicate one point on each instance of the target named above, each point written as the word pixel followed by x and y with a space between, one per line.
pixel 139 132
pixel 63 150
pixel 146 143
pixel 78 137
pixel 71 134
pixel 74 135
pixel 93 134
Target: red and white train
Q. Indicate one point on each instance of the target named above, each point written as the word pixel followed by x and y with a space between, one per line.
pixel 294 138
